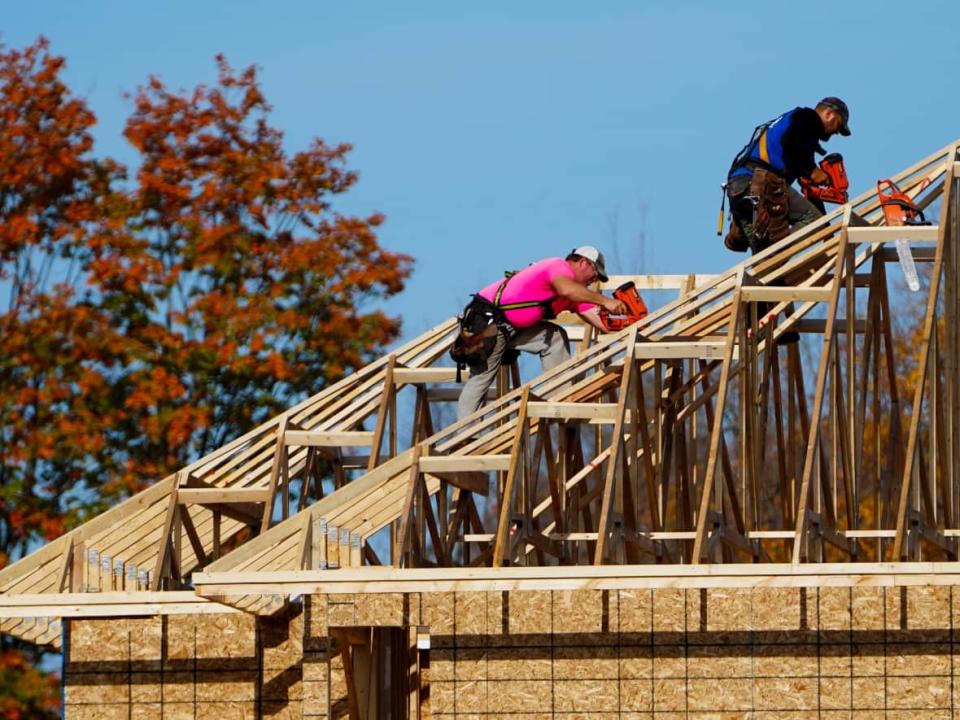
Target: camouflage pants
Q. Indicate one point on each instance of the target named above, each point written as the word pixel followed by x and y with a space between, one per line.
pixel 800 210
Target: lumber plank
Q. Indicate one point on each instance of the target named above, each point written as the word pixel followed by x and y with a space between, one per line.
pixel 757 293
pixel 217 496
pixel 675 350
pixel 593 577
pixel 406 376
pixel 312 438
pixel 572 410
pixel 463 463
pixel 910 233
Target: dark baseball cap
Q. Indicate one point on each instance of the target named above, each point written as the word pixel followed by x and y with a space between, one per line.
pixel 840 106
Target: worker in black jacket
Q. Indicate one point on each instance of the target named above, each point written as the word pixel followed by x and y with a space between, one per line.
pixel 763 205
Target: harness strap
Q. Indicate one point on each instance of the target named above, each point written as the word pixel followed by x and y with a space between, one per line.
pixel 759 140
pixel 545 304
pixel 762 146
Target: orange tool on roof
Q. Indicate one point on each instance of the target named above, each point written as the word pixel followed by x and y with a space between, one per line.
pixel 636 309
pixel 836 190
pixel 898 208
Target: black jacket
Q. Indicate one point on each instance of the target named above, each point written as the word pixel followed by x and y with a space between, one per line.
pixel 800 141
pixel 786 145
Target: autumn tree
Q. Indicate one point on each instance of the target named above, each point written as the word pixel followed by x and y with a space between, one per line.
pixel 245 289
pixel 58 343
pixel 49 193
pixel 152 315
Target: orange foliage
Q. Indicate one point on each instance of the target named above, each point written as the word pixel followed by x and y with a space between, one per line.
pixel 154 317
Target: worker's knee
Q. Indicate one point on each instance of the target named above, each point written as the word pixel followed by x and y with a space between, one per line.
pixel 555 341
pixel 805 218
pixel 557 335
pixel 556 347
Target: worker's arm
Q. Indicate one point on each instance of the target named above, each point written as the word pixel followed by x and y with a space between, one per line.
pixel 592 317
pixel 575 292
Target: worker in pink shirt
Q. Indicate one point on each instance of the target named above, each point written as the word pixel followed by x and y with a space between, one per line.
pixel 514 313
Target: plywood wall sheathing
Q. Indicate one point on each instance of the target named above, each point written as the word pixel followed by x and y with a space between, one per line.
pixel 696 652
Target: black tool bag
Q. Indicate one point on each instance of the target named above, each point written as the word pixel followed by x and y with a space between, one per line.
pixel 737 189
pixel 478 334
pixel 771 215
pixel 735 239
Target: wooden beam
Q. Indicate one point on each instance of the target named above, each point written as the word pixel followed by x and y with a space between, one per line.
pixel 899 547
pixel 310 438
pixel 716 433
pixel 920 254
pixel 387 405
pixel 759 293
pixel 463 463
pixel 516 467
pixel 612 483
pixel 165 530
pixel 572 410
pixel 406 513
pixel 814 325
pixel 408 376
pixel 826 353
pixel 583 577
pixel 676 350
pixel 109 604
pixel 910 233
pixel 475 482
pixel 218 496
pixel 342 637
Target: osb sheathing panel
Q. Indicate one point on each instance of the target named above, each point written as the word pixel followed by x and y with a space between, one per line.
pixel 212 711
pixel 316 657
pixel 207 667
pixel 674 653
pixel 766 652
pixel 281 641
pixel 338 687
pixel 226 642
pixel 316 685
pixel 104 711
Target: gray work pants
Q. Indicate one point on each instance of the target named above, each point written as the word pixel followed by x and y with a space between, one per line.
pixel 545 339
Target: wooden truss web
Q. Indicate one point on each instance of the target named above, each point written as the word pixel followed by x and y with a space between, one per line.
pixel 694 437
pixel 157 538
pixel 139 556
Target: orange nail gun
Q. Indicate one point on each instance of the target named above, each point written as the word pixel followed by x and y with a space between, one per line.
pixel 836 189
pixel 636 310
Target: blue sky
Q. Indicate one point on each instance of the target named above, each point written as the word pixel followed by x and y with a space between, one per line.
pixel 493 134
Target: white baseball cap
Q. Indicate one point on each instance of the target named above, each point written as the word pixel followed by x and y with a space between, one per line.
pixel 595 256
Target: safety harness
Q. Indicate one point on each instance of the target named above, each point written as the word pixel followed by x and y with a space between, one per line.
pixel 767 194
pixel 481 323
pixel 759 140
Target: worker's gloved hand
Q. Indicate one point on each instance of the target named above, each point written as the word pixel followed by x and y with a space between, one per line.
pixel 614 306
pixel 819 177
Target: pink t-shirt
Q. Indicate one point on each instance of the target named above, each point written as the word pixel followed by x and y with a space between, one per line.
pixel 531 284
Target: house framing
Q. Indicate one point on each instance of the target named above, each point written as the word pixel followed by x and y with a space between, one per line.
pixel 688 518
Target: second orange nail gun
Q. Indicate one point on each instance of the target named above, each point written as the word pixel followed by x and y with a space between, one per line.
pixel 836 190
pixel 636 309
